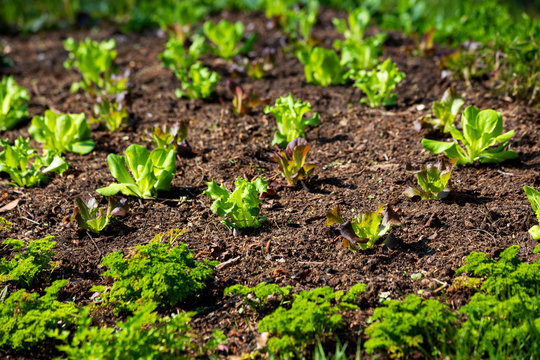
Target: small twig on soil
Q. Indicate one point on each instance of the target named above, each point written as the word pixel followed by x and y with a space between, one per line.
pixel 482 230
pixel 227 263
pixel 443 285
pixel 25 218
pixel 93 242
pixel 203 252
pixel 32 221
pixel 505 173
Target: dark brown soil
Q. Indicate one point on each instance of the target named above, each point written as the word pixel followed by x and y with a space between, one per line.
pixel 362 152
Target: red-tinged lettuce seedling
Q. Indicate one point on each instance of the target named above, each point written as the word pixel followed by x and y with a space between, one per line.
pixel 241 207
pixel 62 132
pixel 481 131
pixel 432 180
pixel 13 105
pixel 243 101
pixel 111 114
pixel 379 84
pixel 444 112
pixel 171 138
pixel 322 66
pixel 289 114
pixel 260 67
pixel 257 66
pixel 150 172
pixel 292 161
pixel 226 38
pixel 534 198
pixel 364 230
pixel 25 166
pixel 89 216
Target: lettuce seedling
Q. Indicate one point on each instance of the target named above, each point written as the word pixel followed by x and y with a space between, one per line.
pixel 62 132
pixel 89 216
pixel 178 17
pixel 356 25
pixel 298 23
pixel 199 84
pixel 322 66
pixel 24 165
pixel 243 101
pixel 150 172
pixel 481 130
pixel 444 111
pixel 356 52
pixel 226 38
pixel 111 114
pixel 197 81
pixel 95 62
pixel 359 55
pixel 432 180
pixel 289 114
pixel 379 83
pixel 171 138
pixel 13 105
pixel 534 198
pixel 241 207
pixel 261 66
pixel 364 230
pixel 178 59
pixel 292 161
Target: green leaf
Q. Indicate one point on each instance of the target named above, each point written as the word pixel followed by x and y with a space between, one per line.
pixel 481 131
pixel 534 198
pixel 58 165
pixel 62 132
pixel 289 114
pixel 322 67
pixel 438 147
pixel 150 172
pixel 226 37
pixel 241 207
pixel 13 99
pixel 379 84
pixel 81 147
pixel 95 61
pixel 118 168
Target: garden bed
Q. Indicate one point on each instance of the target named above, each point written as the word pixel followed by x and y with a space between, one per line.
pixel 362 154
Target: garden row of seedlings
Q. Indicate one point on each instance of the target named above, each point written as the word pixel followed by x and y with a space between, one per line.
pixel 397 328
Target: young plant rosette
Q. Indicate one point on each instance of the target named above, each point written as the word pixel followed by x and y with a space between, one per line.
pixel 364 230
pixel 150 172
pixel 241 207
